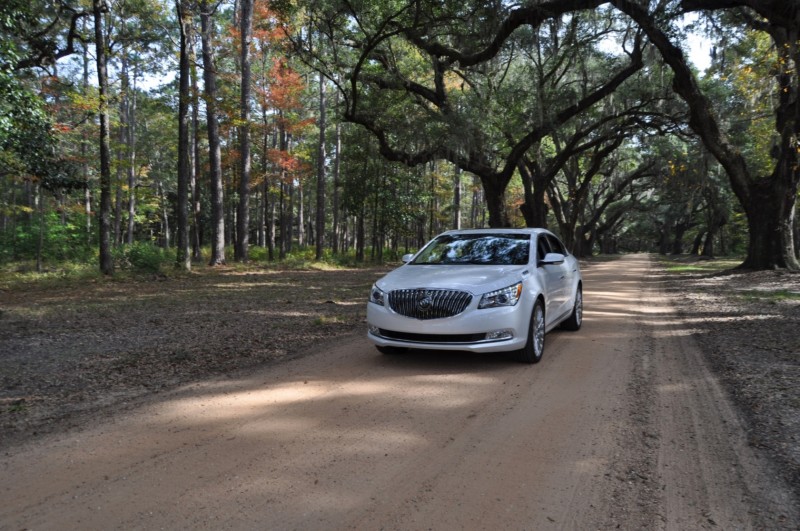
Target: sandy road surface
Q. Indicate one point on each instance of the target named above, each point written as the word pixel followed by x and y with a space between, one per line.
pixel 621 425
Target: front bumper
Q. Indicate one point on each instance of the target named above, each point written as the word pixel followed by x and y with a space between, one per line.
pixel 474 330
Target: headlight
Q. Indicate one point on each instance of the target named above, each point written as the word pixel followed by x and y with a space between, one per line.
pixel 376 295
pixel 502 297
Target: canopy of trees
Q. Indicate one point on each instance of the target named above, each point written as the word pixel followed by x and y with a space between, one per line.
pixel 354 129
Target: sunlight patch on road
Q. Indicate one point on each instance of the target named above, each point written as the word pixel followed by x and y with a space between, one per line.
pixel 728 319
pixel 591 464
pixel 663 329
pixel 674 388
pixel 598 313
pixel 656 309
pixel 224 405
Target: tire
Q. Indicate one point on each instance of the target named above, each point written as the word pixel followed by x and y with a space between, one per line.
pixel 390 351
pixel 534 348
pixel 575 319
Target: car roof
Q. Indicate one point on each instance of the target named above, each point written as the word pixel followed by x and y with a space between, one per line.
pixel 499 231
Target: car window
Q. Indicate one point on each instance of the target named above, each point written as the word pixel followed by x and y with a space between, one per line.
pixel 482 249
pixel 555 245
pixel 542 247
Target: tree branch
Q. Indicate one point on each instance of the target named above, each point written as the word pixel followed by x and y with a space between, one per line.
pixel 702 119
pixel 48 57
pixel 533 16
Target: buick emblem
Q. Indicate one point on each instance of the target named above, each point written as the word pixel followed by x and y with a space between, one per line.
pixel 424 300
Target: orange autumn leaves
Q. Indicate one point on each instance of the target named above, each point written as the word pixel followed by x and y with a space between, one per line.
pixel 278 92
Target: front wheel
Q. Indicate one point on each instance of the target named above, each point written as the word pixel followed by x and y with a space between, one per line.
pixel 576 318
pixel 534 348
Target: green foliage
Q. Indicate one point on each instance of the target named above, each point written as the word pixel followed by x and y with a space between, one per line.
pixel 743 90
pixel 17 275
pixel 61 242
pixel 25 140
pixel 304 258
pixel 772 296
pixel 431 110
pixel 143 257
pixel 682 266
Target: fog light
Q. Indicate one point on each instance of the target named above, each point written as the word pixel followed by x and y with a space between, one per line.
pixel 374 330
pixel 496 335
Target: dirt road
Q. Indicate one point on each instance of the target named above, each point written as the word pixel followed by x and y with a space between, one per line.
pixel 621 425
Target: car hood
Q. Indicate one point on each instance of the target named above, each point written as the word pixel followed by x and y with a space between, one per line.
pixel 477 279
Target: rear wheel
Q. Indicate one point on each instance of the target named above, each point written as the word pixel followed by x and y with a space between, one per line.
pixel 534 348
pixel 576 318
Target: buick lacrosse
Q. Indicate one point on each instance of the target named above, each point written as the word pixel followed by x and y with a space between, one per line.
pixel 483 290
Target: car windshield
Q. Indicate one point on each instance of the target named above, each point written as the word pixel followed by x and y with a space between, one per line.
pixel 482 249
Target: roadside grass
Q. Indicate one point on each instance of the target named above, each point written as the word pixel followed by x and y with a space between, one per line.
pixel 144 263
pixel 682 264
pixel 770 296
pixel 329 320
pixel 22 274
pixel 330 292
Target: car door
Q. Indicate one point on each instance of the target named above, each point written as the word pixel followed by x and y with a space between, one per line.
pixel 550 277
pixel 565 277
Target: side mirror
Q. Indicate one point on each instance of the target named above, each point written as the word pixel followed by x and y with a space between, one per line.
pixel 552 258
pixel 407 258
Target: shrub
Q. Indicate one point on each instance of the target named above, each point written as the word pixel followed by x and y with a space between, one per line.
pixel 143 257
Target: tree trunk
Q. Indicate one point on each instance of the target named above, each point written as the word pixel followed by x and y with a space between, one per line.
pixel 269 205
pixel 271 230
pixel 87 196
pixel 770 220
pixel 130 108
pixel 768 202
pixel 301 215
pixel 164 215
pixel 99 7
pixel 698 240
pixel 582 246
pixel 336 165
pixel 360 234
pixel 677 242
pixel 120 234
pixel 117 217
pixel 40 241
pixel 320 225
pixel 717 220
pixel 214 153
pixel 197 226
pixel 796 233
pixel 496 204
pixel 282 220
pixel 183 258
pixel 457 198
pixel 243 212
pixel 663 238
pixel 477 201
pixel 534 209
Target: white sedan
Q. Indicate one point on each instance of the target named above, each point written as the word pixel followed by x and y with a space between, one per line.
pixel 483 290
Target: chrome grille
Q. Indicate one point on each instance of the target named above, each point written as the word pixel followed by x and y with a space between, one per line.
pixel 429 303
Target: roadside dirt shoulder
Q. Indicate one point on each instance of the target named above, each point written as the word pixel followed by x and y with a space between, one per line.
pixel 747 325
pixel 70 352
